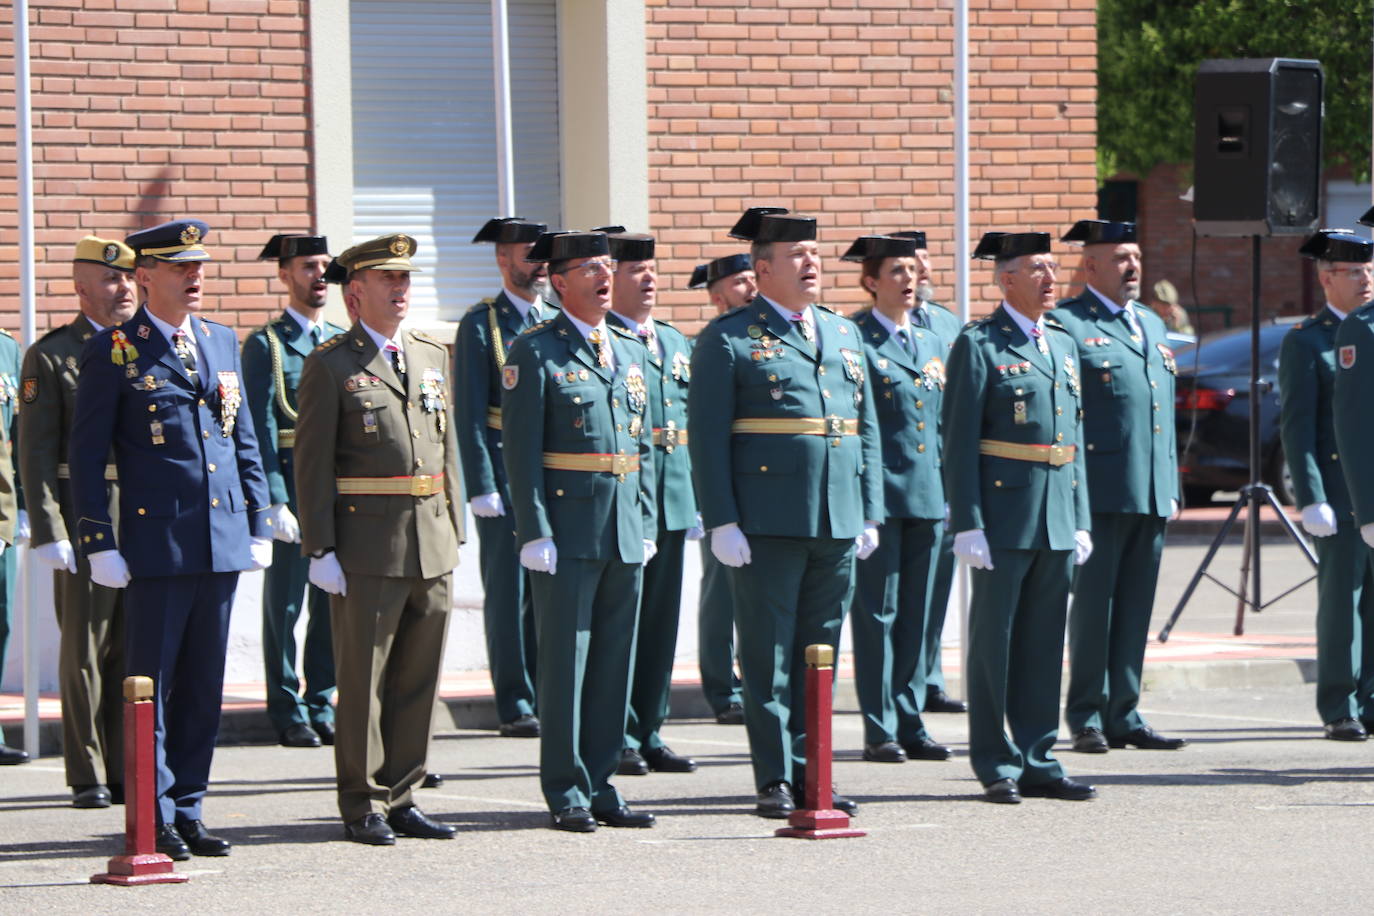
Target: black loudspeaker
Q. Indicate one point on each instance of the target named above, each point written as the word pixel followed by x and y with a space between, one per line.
pixel 1257 148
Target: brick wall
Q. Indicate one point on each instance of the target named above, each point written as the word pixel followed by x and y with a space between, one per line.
pixel 146 110
pixel 843 109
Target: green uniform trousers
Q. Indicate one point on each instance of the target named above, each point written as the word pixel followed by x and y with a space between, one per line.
pixel 90 671
pixel 285 588
pixel 507 617
pixel 388 650
pixel 1015 657
pixel 791 595
pixel 888 625
pixel 1109 623
pixel 585 627
pixel 939 605
pixel 660 606
pixel 1345 625
pixel 716 633
pixel 7 578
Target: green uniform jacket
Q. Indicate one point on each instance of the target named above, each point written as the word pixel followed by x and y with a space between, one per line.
pixel 668 378
pixel 1349 417
pixel 752 363
pixel 557 399
pixel 271 374
pixel 1307 380
pixel 48 390
pixel 1002 388
pixel 943 322
pixel 477 389
pixel 908 391
pixel 1128 407
pixel 357 420
pixel 11 497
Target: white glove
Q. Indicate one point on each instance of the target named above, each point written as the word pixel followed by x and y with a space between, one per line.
pixel 284 524
pixel 259 553
pixel 327 575
pixel 1173 508
pixel 1367 532
pixel 946 522
pixel 730 546
pixel 488 505
pixel 650 550
pixel 696 532
pixel 540 556
pixel 866 543
pixel 972 547
pixel 56 555
pixel 22 531
pixel 1082 547
pixel 109 569
pixel 1320 520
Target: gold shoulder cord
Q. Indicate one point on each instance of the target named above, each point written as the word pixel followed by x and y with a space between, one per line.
pixel 278 376
pixel 498 347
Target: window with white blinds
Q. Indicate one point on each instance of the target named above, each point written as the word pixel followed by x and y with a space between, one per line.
pixel 424 134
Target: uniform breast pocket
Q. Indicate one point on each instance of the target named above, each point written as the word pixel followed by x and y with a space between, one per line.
pixel 576 410
pixel 1106 373
pixel 160 409
pixel 364 422
pixel 1019 404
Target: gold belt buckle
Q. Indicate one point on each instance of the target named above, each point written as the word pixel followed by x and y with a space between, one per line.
pixel 620 466
pixel 422 485
pixel 1060 455
pixel 834 426
pixel 670 435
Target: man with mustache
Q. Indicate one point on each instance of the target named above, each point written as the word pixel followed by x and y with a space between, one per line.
pixel 1128 434
pixel 1018 502
pixel 273 357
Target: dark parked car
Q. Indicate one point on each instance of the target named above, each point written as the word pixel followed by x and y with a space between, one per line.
pixel 1213 413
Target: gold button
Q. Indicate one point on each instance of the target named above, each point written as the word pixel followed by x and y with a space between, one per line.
pixel 211 466
pixel 152 408
pixel 88 539
pixel 763 469
pixel 205 434
pixel 997 483
pixel 410 404
pixel 1058 437
pixel 1056 386
pixel 99 536
pixel 921 447
pixel 1059 411
pixel 1156 407
pixel 557 492
pixel 415 433
pixel 825 394
pixel 920 425
pixel 821 370
pixel 615 402
pixel 1156 429
pixel 1019 391
pixel 352 508
pixel 667 402
pixel 887 380
pixel 202 402
pixel 1154 384
pixel 1090 446
pixel 577 399
pixel 367 403
pixel 215 501
pixel 620 427
pixel 1335 457
pixel 920 403
pixel 834 442
pixel 772 377
pixel 419 462
pixel 1075 483
pixel 142 511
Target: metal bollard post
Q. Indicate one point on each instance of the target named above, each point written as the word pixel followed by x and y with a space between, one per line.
pixel 820 821
pixel 141 862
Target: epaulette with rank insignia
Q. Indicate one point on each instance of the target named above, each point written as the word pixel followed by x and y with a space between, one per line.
pixel 1052 322
pixel 425 338
pixel 825 308
pixel 53 332
pixel 483 303
pixel 331 343
pixel 6 333
pixel 541 326
pixel 978 322
pixel 622 330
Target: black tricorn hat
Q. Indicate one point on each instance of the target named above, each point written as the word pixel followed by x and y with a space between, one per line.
pixel 509 229
pixel 564 246
pixel 1338 245
pixel 335 272
pixel 748 225
pixel 630 246
pixel 786 227
pixel 1368 218
pixel 281 247
pixel 719 269
pixel 1003 246
pixel 879 246
pixel 610 230
pixel 1100 232
pixel 915 234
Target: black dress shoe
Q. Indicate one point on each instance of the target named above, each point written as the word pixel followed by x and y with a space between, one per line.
pixel 927 749
pixel 12 756
pixel 939 701
pixel 1147 739
pixel 171 845
pixel 116 793
pixel 663 760
pixel 731 715
pixel 201 841
pixel 574 820
pixel 1346 729
pixel 300 735
pixel 326 732
pixel 884 752
pixel 775 800
pixel 838 802
pixel 96 796
pixel 432 781
pixel 370 830
pixel 525 726
pixel 624 817
pixel 1090 740
pixel 1063 788
pixel 631 764
pixel 1002 792
pixel 411 821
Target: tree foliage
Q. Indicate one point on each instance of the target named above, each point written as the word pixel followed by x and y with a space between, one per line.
pixel 1147 58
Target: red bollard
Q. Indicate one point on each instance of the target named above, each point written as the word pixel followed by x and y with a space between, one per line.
pixel 141 862
pixel 819 822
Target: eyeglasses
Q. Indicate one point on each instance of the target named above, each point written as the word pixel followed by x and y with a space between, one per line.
pixel 1352 273
pixel 593 267
pixel 1040 268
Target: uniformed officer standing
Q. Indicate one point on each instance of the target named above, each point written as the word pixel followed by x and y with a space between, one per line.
pixel 788 467
pixel 579 457
pixel 479 353
pixel 164 391
pixel 272 359
pixel 1128 435
pixel 893 589
pixel 1018 501
pixel 13 520
pixel 1324 421
pixel 666 362
pixel 934 317
pixel 90 617
pixel 381 519
pixel 730 283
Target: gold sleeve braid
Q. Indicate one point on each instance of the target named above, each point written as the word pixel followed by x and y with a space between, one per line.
pixel 498 348
pixel 278 375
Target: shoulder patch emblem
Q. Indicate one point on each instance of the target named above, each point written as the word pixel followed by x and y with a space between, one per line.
pixel 1346 356
pixel 510 376
pixel 30 390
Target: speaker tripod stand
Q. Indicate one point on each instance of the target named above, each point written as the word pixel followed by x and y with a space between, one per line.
pixel 1254 496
